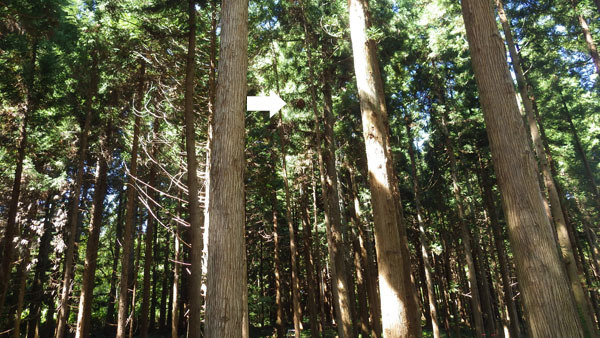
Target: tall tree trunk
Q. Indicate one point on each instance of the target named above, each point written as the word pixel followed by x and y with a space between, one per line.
pixel 36 292
pixel 22 275
pixel 476 306
pixel 226 276
pixel 154 300
pixel 134 281
pixel 129 218
pixel 149 239
pixel 422 234
pixel 579 148
pixel 514 321
pixel 551 310
pixel 340 283
pixel 110 311
pixel 565 244
pixel 398 303
pixel 295 284
pixel 162 313
pixel 587 35
pixel 317 250
pixel 176 275
pixel 10 229
pixel 311 281
pixel 367 256
pixel 73 221
pixel 91 254
pixel 194 211
pixel 279 327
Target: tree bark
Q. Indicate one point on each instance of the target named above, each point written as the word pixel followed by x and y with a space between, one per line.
pixel 514 321
pixel 22 275
pixel 340 284
pixel 279 328
pixel 226 276
pixel 398 302
pixel 367 256
pixel 110 311
pixel 91 254
pixel 194 210
pixel 397 293
pixel 565 244
pixel 10 230
pixel 311 281
pixel 129 218
pixel 587 35
pixel 551 310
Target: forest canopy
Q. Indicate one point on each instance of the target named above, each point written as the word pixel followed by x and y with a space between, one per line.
pixel 433 172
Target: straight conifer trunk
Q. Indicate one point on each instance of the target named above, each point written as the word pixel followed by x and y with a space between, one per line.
pixel 514 321
pixel 550 309
pixel 37 292
pixel 311 281
pixel 398 301
pixel 10 230
pixel 226 276
pixel 367 256
pixel 194 210
pixel 333 219
pixel 126 258
pixel 91 255
pixel 149 237
pixel 558 217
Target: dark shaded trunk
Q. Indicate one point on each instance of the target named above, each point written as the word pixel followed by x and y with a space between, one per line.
pixel 112 299
pixel 37 293
pixel 10 230
pixel 91 255
pixel 126 258
pixel 311 281
pixel 149 238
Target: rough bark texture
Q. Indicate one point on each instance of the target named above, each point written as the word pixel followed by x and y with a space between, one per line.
pixel 551 310
pixel 397 295
pixel 226 275
pixel 558 217
pixel 126 257
pixel 89 270
pixel 514 321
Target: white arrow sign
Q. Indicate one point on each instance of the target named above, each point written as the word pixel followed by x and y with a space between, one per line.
pixel 272 103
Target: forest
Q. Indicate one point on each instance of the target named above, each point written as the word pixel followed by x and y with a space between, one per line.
pixel 433 172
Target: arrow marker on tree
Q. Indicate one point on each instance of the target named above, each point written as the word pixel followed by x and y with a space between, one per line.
pixel 272 103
